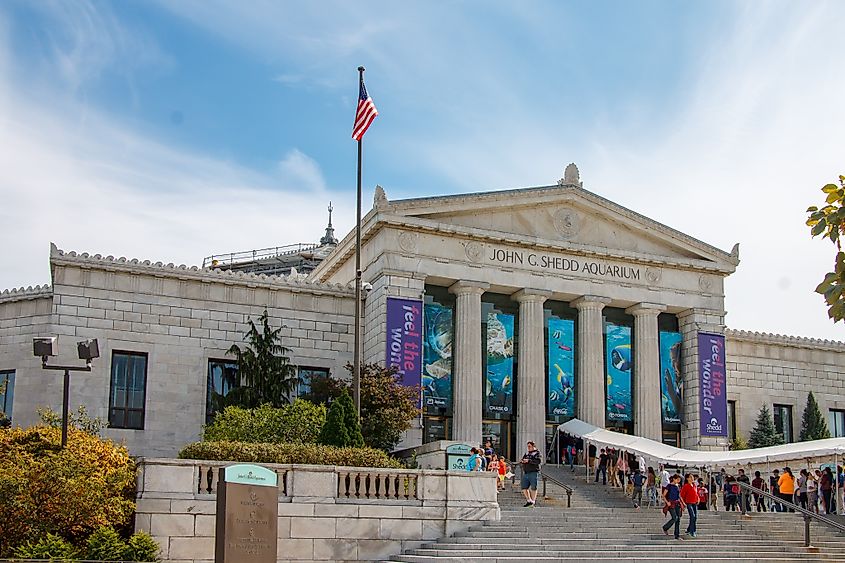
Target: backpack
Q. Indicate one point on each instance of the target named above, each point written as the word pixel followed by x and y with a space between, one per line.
pixel 735 488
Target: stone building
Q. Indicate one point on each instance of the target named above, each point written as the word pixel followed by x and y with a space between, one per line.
pixel 540 304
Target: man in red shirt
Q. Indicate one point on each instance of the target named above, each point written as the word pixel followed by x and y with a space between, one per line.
pixel 689 494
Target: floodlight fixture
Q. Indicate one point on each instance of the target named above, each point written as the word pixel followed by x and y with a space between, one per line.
pixel 44 347
pixel 88 350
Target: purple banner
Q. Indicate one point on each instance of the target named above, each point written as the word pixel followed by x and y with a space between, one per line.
pixel 713 393
pixel 404 338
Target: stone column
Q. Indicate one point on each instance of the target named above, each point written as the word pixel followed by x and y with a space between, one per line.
pixel 466 362
pixel 531 385
pixel 591 377
pixel 648 418
pixel 693 321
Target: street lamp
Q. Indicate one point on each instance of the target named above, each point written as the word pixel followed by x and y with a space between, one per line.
pixel 47 347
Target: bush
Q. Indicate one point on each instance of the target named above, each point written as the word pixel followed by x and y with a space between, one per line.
pixel 49 546
pixel 387 406
pixel 300 421
pixel 312 454
pixel 142 547
pixel 105 544
pixel 47 490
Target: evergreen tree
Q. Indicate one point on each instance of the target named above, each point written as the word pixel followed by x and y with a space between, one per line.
pixel 813 425
pixel 350 420
pixel 764 433
pixel 334 432
pixel 264 375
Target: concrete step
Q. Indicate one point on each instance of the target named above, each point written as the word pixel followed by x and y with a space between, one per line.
pixel 601 558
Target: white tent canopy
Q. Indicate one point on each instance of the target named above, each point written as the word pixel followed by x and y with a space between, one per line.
pixel 816 449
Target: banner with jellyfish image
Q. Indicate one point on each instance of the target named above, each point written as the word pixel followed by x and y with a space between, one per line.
pixel 561 374
pixel 498 393
pixel 671 380
pixel 618 364
pixel 437 356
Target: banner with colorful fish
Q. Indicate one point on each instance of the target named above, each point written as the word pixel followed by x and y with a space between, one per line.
pixel 498 395
pixel 618 366
pixel 437 357
pixel 561 374
pixel 671 380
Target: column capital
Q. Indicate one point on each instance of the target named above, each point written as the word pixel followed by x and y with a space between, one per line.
pixel 590 302
pixel 529 295
pixel 468 287
pixel 645 309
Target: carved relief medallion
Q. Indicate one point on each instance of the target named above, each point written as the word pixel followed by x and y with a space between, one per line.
pixel 474 251
pixel 705 282
pixel 408 241
pixel 652 275
pixel 566 222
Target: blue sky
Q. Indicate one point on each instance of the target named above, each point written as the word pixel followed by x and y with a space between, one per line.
pixel 173 130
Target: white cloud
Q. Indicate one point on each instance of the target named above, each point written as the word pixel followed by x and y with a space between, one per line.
pixel 299 169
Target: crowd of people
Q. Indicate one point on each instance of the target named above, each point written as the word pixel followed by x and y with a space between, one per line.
pixel 676 494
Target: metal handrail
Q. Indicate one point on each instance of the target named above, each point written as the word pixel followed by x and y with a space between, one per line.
pixel 232 258
pixel 807 514
pixel 564 486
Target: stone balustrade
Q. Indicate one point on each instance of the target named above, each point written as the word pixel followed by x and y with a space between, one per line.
pixel 326 513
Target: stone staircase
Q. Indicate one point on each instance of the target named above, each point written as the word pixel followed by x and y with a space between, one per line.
pixel 602 526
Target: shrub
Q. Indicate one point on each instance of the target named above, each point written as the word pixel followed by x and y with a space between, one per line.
pixel 80 419
pixel 312 454
pixel 49 546
pixel 300 421
pixel 142 547
pixel 45 489
pixel 105 544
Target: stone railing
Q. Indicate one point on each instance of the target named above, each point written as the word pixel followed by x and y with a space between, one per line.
pixel 326 513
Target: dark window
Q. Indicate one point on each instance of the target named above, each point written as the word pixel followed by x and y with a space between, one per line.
pixel 732 420
pixel 128 389
pixel 783 421
pixel 837 423
pixel 306 376
pixel 222 378
pixel 7 395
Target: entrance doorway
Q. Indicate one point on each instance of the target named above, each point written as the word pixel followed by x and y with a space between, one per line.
pixel 498 433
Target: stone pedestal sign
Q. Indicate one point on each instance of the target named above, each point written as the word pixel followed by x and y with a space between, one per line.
pixel 247 515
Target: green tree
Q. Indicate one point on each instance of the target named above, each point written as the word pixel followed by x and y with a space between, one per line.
pixel 764 433
pixel 387 406
pixel 350 420
pixel 334 432
pixel 829 222
pixel 813 425
pixel 265 375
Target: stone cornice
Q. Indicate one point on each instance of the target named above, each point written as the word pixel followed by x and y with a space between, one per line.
pixel 293 282
pixel 784 340
pixel 26 293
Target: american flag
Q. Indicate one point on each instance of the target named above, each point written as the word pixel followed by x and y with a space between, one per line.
pixel 364 115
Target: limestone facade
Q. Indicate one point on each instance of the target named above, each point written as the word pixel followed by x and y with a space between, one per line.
pixel 531 253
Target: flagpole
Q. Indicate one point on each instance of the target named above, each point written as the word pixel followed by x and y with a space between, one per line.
pixel 356 356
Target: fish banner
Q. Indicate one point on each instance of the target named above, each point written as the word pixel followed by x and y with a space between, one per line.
pixel 561 367
pixel 437 356
pixel 498 395
pixel 404 339
pixel 671 381
pixel 618 365
pixel 713 393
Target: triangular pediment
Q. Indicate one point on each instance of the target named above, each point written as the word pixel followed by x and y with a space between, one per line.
pixel 567 216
